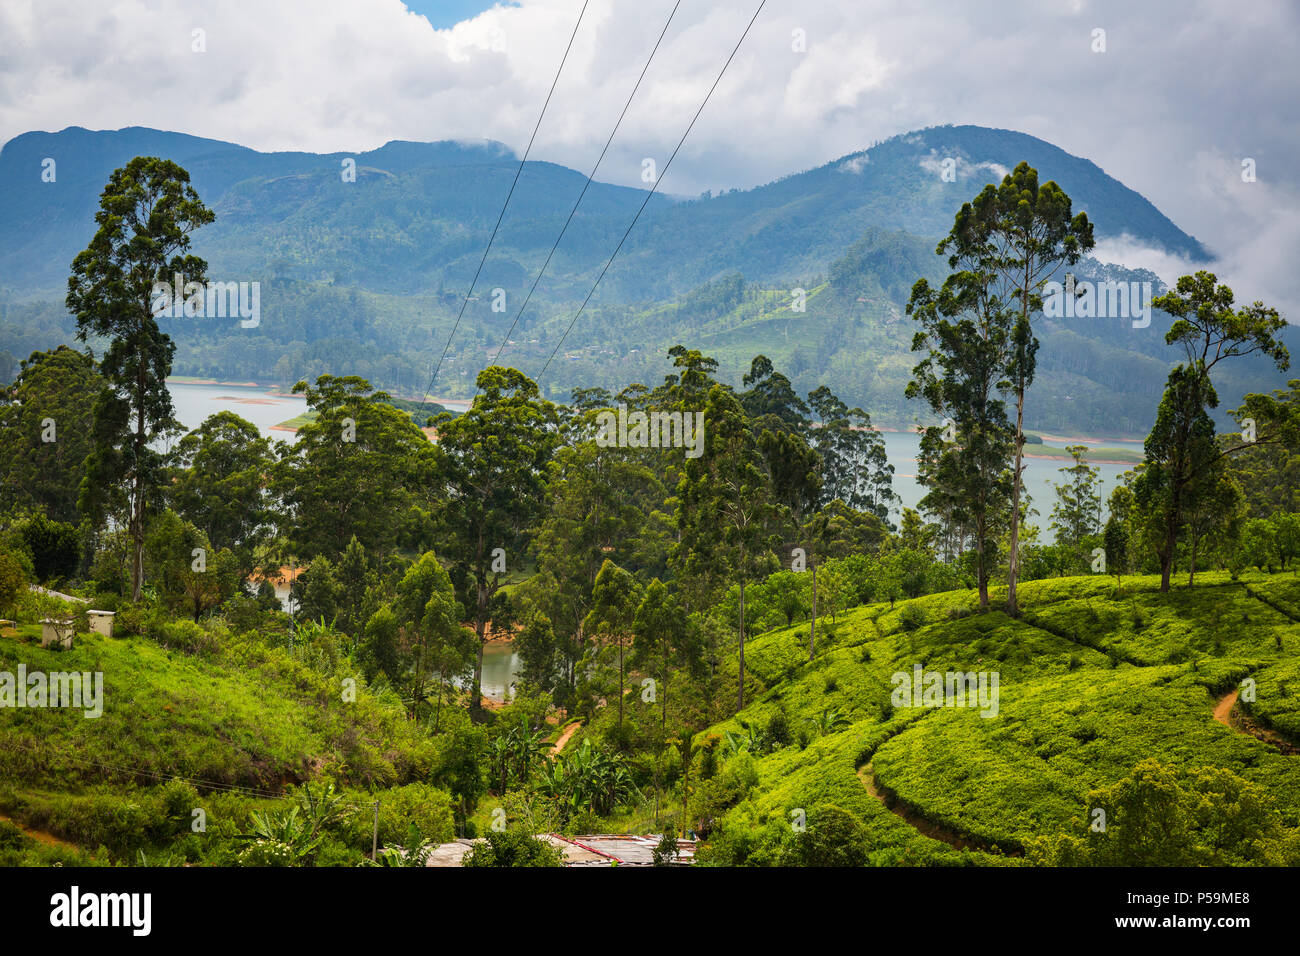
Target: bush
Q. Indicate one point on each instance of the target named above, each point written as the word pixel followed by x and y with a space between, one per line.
pixel 419 805
pixel 834 837
pixel 514 847
pixel 184 636
pixel 911 618
pixel 778 731
pixel 130 620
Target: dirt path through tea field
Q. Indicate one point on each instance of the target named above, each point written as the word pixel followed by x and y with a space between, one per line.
pixel 1223 709
pixel 919 823
pixel 1244 725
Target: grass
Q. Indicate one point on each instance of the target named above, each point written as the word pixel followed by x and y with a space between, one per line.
pixel 248 715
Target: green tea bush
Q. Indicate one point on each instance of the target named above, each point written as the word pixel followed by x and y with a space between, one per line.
pixel 911 618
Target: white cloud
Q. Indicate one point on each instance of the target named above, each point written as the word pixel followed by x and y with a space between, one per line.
pixel 962 167
pixel 1182 93
pixel 1132 253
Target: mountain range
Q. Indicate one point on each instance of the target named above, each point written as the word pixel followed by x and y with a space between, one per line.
pixel 367 274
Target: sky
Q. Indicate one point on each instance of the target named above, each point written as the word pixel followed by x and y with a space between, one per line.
pixel 1182 94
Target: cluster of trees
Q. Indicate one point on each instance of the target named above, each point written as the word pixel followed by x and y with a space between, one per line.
pixel 617 569
pixel 978 358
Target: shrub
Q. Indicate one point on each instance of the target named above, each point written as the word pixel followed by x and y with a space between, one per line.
pixel 130 620
pixel 778 731
pixel 911 618
pixel 514 847
pixel 185 636
pixel 426 808
pixel 834 837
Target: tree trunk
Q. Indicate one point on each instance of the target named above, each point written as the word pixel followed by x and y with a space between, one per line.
pixel 480 629
pixel 686 780
pixel 663 723
pixel 740 705
pixel 1171 539
pixel 1013 558
pixel 476 692
pixel 437 707
pixel 812 631
pixel 621 682
pixel 137 499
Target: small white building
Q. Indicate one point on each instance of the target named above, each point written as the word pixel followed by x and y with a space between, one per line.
pixel 101 622
pixel 57 632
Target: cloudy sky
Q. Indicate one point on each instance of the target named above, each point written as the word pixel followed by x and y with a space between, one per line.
pixel 1183 93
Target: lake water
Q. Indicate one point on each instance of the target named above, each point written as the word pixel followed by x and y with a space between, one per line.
pixel 194 403
pixel 500 669
pixel 1041 475
pixel 264 408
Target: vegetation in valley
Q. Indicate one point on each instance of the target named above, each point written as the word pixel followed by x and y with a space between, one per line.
pixel 714 599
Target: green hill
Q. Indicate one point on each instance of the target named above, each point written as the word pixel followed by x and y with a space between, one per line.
pixel 1092 682
pixel 199 717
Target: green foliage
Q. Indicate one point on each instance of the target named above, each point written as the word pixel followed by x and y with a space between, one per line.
pixel 45 430
pixel 494 468
pixel 54 546
pixel 513 847
pixel 190 576
pixel 361 468
pixel 834 837
pixel 1077 511
pixel 585 779
pixel 13 580
pixel 1183 460
pixel 220 485
pixel 147 214
pixel 1164 816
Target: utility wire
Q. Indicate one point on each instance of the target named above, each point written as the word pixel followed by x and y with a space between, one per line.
pixel 150 774
pixel 434 376
pixel 590 177
pixel 651 193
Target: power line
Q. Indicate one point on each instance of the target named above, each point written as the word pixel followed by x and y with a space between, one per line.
pixel 651 193
pixel 586 185
pixel 150 774
pixel 433 377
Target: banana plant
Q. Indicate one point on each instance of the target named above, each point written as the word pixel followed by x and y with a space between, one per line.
pixel 414 851
pixel 829 721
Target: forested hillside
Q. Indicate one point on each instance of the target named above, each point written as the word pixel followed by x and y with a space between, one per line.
pixel 375 269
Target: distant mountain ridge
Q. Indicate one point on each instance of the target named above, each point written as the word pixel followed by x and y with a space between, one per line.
pixel 418 215
pixel 367 277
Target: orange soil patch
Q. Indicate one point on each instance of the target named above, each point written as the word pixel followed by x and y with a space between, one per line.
pixel 286 575
pixel 497 635
pixel 1224 708
pixel 564 737
pixel 1242 723
pixel 40 836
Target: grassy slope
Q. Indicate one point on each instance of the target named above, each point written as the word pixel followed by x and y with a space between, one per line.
pixel 247 716
pixel 1075 713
